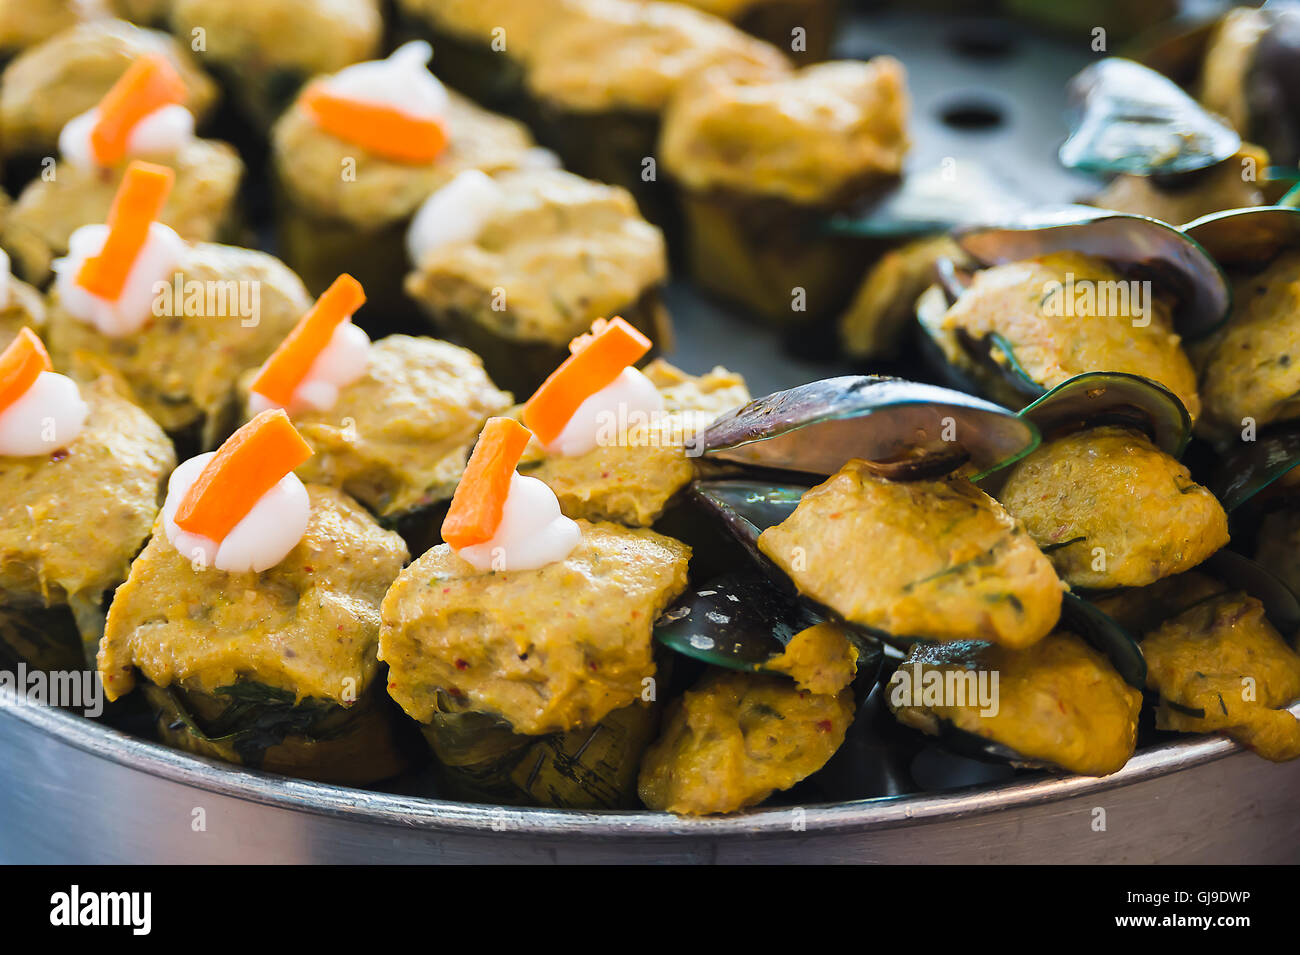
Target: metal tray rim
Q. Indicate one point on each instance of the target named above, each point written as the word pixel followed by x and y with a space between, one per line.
pixel 430 814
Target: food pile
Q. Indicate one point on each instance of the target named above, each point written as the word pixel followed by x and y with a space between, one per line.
pixel 336 431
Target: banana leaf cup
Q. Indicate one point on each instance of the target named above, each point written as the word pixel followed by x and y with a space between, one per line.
pixel 45 638
pixel 263 727
pixel 481 47
pixel 777 20
pixel 481 758
pixel 273 670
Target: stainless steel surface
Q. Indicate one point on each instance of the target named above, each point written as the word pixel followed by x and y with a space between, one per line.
pixel 77 791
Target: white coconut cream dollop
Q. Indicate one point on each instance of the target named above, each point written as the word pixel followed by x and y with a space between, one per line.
pixel 164 132
pixel 402 82
pixel 606 415
pixel 261 539
pixel 50 415
pixel 532 532
pixel 455 213
pixel 340 363
pixel 133 309
pixel 6 279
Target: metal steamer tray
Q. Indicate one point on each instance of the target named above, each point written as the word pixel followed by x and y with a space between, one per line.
pixel 80 790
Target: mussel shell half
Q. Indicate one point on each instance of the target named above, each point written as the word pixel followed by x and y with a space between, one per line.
pixel 1136 245
pixel 904 428
pixel 1250 467
pixel 738 621
pixel 1273 84
pixel 1130 119
pixel 1107 637
pixel 1112 397
pixel 746 509
pixel 1246 237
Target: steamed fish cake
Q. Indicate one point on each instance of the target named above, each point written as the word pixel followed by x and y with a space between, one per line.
pixel 308 626
pixel 1112 510
pixel 252 616
pixel 546 649
pixel 142 115
pixel 179 321
pixel 930 558
pixel 398 437
pixel 53 81
pixel 75 511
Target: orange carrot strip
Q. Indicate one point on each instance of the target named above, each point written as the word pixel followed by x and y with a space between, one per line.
pixel 149 83
pixel 480 497
pixel 20 365
pixel 382 130
pixel 289 364
pixel 136 206
pixel 596 361
pixel 251 462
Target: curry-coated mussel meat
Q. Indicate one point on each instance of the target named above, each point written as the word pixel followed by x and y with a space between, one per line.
pixel 1058 293
pixel 898 539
